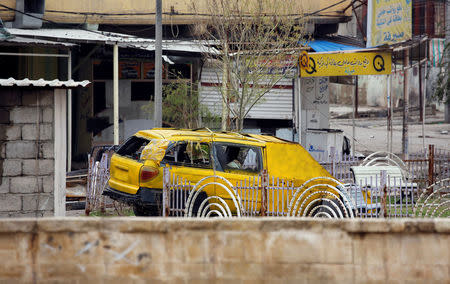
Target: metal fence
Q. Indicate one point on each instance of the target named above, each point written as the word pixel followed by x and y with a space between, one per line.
pixel 374 197
pixel 378 195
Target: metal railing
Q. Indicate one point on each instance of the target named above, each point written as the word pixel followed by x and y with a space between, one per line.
pixel 372 197
pixel 375 197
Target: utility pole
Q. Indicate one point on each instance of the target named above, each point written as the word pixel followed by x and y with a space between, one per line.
pixel 158 65
pixel 405 139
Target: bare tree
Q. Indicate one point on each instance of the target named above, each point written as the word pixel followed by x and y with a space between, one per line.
pixel 259 45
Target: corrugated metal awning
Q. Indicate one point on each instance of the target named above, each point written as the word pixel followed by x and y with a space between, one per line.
pixel 43 83
pixel 23 41
pixel 123 40
pixel 328 46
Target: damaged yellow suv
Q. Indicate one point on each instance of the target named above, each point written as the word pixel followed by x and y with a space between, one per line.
pixel 136 168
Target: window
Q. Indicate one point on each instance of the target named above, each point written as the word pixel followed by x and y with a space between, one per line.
pixel 182 71
pixel 133 147
pixel 189 154
pixel 99 97
pixel 142 91
pixel 233 157
pixel 103 70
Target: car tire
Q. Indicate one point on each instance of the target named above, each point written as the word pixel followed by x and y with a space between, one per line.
pixel 140 210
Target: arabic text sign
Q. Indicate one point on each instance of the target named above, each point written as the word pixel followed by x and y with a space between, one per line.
pixel 389 21
pixel 347 64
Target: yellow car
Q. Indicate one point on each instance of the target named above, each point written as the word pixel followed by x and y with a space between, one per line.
pixel 136 169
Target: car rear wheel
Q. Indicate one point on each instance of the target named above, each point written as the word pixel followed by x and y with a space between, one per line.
pixel 141 210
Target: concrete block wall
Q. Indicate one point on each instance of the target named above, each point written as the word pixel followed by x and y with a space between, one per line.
pixel 257 250
pixel 26 152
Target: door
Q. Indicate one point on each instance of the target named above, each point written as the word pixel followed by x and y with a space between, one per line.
pixel 241 165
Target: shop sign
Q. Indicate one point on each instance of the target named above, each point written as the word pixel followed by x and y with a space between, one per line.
pixel 345 64
pixel 389 21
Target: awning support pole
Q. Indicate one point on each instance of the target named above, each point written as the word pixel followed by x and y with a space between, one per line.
pixel 158 65
pixel 299 111
pixel 389 114
pixel 116 92
pixel 69 114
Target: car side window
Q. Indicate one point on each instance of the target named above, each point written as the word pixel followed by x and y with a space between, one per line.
pixel 133 147
pixel 234 157
pixel 189 154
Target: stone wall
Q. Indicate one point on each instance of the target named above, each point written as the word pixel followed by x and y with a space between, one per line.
pixel 263 250
pixel 26 152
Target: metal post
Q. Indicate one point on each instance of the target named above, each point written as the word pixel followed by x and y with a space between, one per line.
pixel 424 93
pixel 69 114
pixel 224 124
pixel 430 164
pixel 264 194
pixel 158 65
pixel 389 117
pixel 356 97
pixel 116 92
pixel 333 162
pixel 166 189
pixel 405 105
pixel 299 111
pixel 353 116
pixel 383 187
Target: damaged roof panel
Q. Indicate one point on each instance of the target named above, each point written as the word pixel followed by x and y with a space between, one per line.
pixel 43 83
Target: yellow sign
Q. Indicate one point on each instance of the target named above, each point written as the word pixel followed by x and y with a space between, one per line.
pixel 389 21
pixel 347 64
pixel 304 60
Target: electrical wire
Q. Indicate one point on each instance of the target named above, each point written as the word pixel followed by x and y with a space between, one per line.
pixel 164 13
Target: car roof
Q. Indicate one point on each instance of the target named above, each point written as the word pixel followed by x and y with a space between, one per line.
pixel 176 134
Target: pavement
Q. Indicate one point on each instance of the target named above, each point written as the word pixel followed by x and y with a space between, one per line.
pixel 371 132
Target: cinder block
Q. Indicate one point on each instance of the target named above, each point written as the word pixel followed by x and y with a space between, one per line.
pixel 45 202
pixel 22 214
pixel 41 97
pixel 2 150
pixel 4 116
pixel 29 131
pixel 10 202
pixel 10 97
pixel 29 98
pixel 24 115
pixel 47 115
pixel 46 184
pixel 47 150
pixel 37 167
pixel 37 202
pixel 46 132
pixel 24 185
pixel 30 202
pixel 4 186
pixel 12 167
pixel 21 149
pixel 13 132
pixel 46 97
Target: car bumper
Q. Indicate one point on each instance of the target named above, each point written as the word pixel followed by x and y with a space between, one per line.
pixel 144 196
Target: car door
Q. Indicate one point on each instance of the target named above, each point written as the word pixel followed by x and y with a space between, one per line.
pixel 189 161
pixel 241 165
